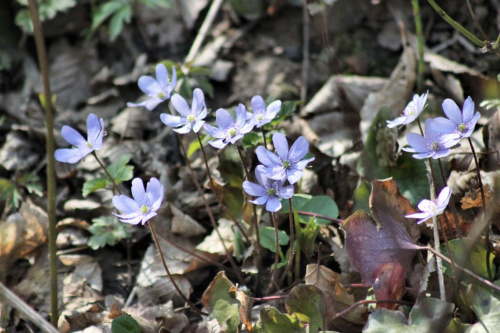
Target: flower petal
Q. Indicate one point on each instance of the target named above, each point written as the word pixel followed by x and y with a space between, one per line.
pixel 73 136
pixel 138 192
pixel 125 204
pixel 261 176
pixel 224 119
pixel 219 143
pixel 302 164
pixel 241 114
pixel 258 104
pixel 151 103
pixel 299 149
pixel 162 76
pixel 183 129
pixel 254 189
pixel 260 200
pixel 149 85
pixel 214 131
pixel 172 121
pixel 266 157
pixel 417 142
pixel 294 175
pixel 468 110
pixel 440 125
pixel 287 192
pixel 281 146
pixel 452 111
pixel 68 155
pixel 273 204
pixel 180 105
pixel 273 109
pixel 396 122
pixel 94 129
pixel 198 125
pixel 156 191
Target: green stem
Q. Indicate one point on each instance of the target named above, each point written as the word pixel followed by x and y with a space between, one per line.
pixel 191 305
pixel 420 39
pixel 49 146
pixel 298 245
pixel 497 42
pixel 455 24
pixel 107 173
pixel 264 136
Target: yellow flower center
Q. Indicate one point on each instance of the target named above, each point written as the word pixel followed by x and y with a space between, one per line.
pixel 161 95
pixel 190 118
pixel 462 127
pixel 144 209
pixel 232 131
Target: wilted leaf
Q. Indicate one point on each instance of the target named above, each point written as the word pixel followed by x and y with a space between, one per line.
pixel 220 304
pixel 430 315
pixel 272 321
pixel 246 306
pixel 306 303
pixel 336 298
pixel 389 284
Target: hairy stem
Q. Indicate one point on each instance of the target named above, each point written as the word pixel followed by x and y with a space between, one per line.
pixel 276 256
pixel 49 146
pixel 292 249
pixel 191 305
pixel 107 173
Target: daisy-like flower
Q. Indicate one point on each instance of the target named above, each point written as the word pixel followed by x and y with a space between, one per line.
pixel 262 115
pixel 432 208
pixel 287 164
pixel 229 130
pixel 434 144
pixel 82 147
pixel 267 191
pixel 158 90
pixel 144 204
pixel 189 118
pixel 460 124
pixel 411 111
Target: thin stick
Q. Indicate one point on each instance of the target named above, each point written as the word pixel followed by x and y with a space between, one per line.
pixel 191 305
pixel 455 24
pixel 8 297
pixel 420 39
pixel 478 26
pixel 305 51
pixel 49 146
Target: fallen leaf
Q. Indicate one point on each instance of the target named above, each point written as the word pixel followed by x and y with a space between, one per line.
pixel 306 303
pixel 272 321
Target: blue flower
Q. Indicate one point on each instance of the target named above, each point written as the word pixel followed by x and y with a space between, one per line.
pixel 460 124
pixel 267 191
pixel 189 118
pixel 287 164
pixel 229 130
pixel 158 90
pixel 411 111
pixel 82 147
pixel 432 208
pixel 434 144
pixel 144 204
pixel 262 115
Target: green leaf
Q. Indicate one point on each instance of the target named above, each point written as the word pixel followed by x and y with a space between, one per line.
pixel 185 89
pixel 195 145
pixel 272 321
pixel 124 15
pixel 430 315
pixel 106 230
pixel 93 185
pixel 471 258
pixel 104 11
pixel 307 304
pixel 120 171
pixel 322 205
pixel 379 160
pixel 125 324
pixel 157 3
pixel 252 139
pixel 206 86
pixel 41 97
pixel 298 200
pixel 486 306
pixel 287 109
pixel 361 197
pixel 203 71
pixel 6 188
pixel 268 239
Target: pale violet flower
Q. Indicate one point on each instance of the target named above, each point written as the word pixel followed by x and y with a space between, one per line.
pixel 411 111
pixel 158 90
pixel 262 115
pixel 267 191
pixel 229 130
pixel 82 147
pixel 287 164
pixel 144 204
pixel 434 144
pixel 432 208
pixel 459 124
pixel 189 117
